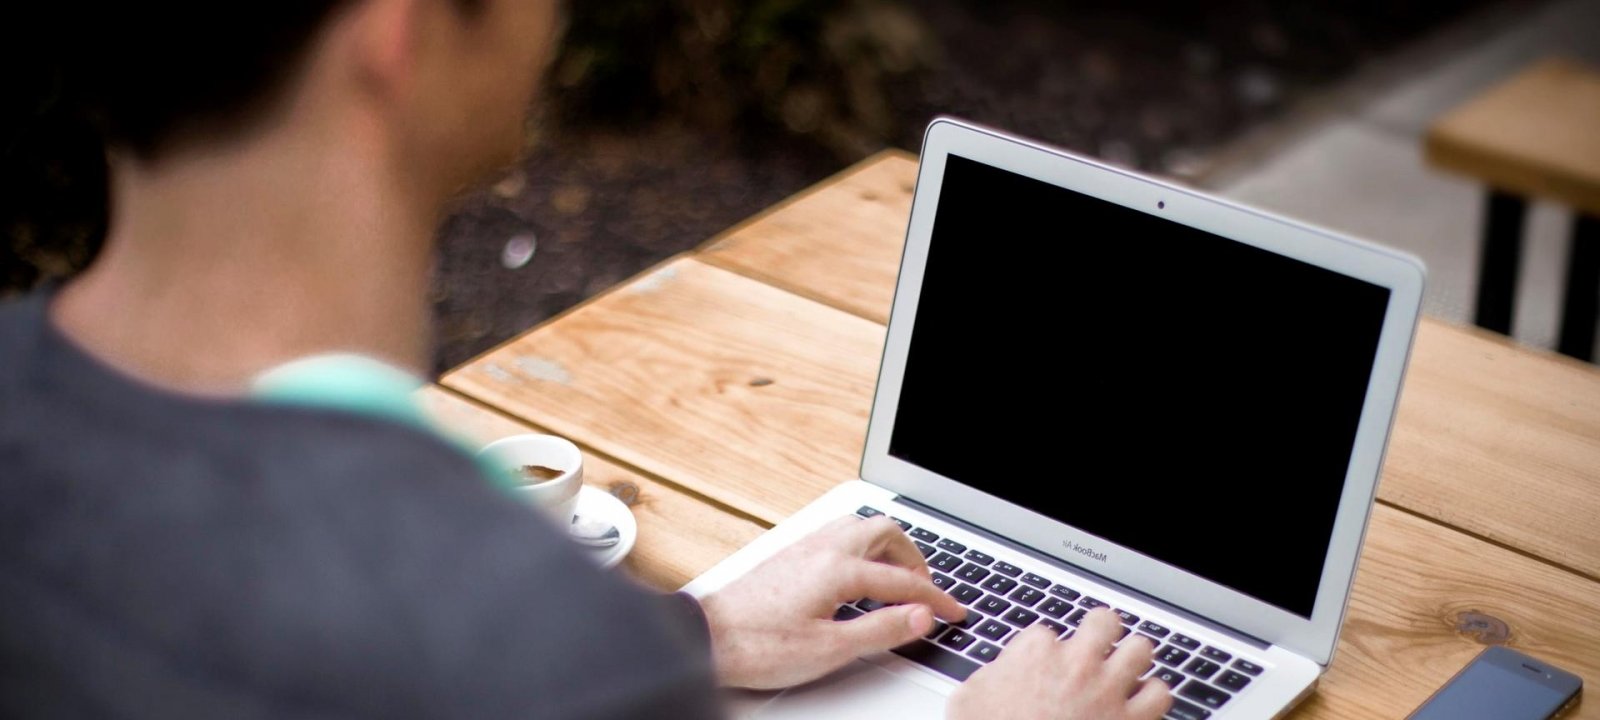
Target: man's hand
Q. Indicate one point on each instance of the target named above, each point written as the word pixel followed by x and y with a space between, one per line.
pixel 1082 678
pixel 774 627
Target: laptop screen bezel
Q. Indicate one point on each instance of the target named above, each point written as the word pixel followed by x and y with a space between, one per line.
pixel 1402 274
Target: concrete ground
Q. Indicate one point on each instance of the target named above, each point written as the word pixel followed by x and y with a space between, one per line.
pixel 1357 167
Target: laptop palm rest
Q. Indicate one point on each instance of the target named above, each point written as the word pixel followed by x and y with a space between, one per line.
pixel 858 690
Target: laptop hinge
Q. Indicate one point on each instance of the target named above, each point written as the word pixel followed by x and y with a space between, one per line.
pixel 1060 564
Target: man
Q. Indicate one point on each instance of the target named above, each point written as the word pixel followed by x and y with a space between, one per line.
pixel 175 544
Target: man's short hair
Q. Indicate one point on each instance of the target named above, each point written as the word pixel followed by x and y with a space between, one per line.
pixel 149 74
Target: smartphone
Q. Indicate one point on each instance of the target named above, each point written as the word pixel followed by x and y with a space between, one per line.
pixel 1503 684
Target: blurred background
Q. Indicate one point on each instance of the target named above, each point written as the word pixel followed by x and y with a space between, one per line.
pixel 668 121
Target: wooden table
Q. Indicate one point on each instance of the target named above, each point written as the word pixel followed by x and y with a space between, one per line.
pixel 731 386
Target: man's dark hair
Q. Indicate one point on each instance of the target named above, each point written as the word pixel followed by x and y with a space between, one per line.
pixel 138 77
pixel 149 73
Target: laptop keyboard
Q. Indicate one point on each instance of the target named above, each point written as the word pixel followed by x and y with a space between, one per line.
pixel 1002 599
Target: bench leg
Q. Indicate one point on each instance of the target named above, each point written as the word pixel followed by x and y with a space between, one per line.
pixel 1502 253
pixel 1582 303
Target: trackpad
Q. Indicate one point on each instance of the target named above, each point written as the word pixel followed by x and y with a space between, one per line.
pixel 858 690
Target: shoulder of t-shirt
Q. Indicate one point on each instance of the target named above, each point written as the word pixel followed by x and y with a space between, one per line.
pixel 19 325
pixel 368 460
pixel 515 616
pixel 19 329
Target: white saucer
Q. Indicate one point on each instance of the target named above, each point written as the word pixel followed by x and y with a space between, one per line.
pixel 597 504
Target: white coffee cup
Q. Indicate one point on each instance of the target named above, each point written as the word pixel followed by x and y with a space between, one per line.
pixel 557 496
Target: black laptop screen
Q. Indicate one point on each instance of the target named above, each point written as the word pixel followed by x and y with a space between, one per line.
pixel 1185 395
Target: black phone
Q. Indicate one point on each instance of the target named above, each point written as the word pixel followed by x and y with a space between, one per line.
pixel 1503 684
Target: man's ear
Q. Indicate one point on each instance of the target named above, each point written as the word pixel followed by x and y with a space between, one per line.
pixel 385 42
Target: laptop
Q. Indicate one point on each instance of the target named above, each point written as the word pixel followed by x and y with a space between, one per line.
pixel 1099 389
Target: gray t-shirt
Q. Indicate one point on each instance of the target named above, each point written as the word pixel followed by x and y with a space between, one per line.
pixel 169 557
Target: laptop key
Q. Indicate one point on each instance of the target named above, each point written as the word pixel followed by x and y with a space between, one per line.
pixel 845 612
pixel 1247 667
pixel 938 659
pixel 1171 656
pixel 924 535
pixel 945 561
pixel 924 548
pixel 1005 568
pixel 1182 710
pixel 904 526
pixel 979 557
pixel 957 639
pixel 984 652
pixel 1211 653
pixel 1058 628
pixel 1169 676
pixel 943 582
pixel 1076 618
pixel 952 546
pixel 1201 668
pixel 1204 694
pixel 971 620
pixel 965 594
pixel 1233 681
pixel 1064 592
pixel 868 512
pixel 1026 596
pixel 1153 629
pixel 939 626
pixel 1185 642
pixel 992 629
pixel 1126 617
pixel 972 573
pixel 1056 608
pixel 1035 581
pixel 1000 585
pixel 1091 603
pixel 868 604
pixel 1021 617
pixel 991 605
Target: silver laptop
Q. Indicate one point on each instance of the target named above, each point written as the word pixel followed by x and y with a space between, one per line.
pixel 1101 389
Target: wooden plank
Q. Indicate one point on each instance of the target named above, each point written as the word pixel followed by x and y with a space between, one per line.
pixel 838 243
pixel 1493 438
pixel 1419 589
pixel 680 535
pixel 1533 135
pixel 1501 442
pixel 718 382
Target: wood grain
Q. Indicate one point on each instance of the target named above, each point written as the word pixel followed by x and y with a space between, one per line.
pixel 1417 582
pixel 719 382
pixel 835 243
pixel 1499 440
pixel 1533 135
pixel 680 535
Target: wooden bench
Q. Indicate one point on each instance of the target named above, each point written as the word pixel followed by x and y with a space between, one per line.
pixel 1535 136
pixel 732 386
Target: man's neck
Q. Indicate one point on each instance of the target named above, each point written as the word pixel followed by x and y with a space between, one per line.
pixel 220 266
